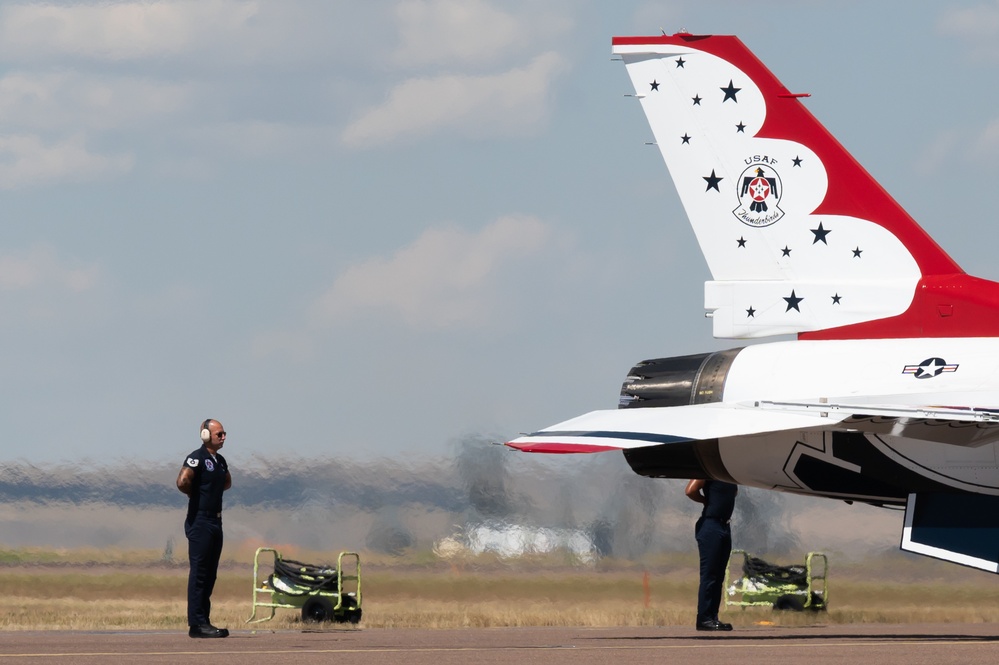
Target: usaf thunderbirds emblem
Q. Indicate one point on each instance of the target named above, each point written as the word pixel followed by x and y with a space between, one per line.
pixel 759 190
pixel 929 368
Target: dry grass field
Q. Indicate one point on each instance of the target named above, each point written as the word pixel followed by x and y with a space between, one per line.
pixel 112 590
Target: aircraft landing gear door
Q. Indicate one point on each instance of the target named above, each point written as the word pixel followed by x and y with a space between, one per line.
pixel 961 528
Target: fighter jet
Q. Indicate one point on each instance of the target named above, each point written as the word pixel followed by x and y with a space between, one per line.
pixel 889 393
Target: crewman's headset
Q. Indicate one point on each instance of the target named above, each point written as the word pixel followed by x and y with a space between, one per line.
pixel 206 434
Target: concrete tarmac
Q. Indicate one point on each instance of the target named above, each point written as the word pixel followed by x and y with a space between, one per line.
pixel 912 644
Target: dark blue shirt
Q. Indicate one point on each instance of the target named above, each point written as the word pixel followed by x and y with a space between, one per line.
pixel 208 482
pixel 720 499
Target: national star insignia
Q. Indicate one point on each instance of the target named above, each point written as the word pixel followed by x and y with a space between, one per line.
pixel 654 85
pixel 820 234
pixel 697 100
pixel 792 302
pixel 680 62
pixel 730 92
pixel 857 252
pixel 930 368
pixel 712 181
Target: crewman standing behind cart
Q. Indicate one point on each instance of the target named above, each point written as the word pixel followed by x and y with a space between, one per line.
pixel 714 545
pixel 203 478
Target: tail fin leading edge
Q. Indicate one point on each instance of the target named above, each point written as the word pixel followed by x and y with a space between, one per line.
pixel 798 237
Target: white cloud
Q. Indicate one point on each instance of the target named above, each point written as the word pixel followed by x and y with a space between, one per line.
pixel 938 152
pixel 118 30
pixel 513 103
pixel 25 160
pixel 40 267
pixel 986 145
pixel 71 101
pixel 954 146
pixel 204 33
pixel 976 27
pixel 256 138
pixel 446 278
pixel 459 33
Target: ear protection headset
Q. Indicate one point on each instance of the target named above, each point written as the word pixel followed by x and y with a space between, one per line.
pixel 206 434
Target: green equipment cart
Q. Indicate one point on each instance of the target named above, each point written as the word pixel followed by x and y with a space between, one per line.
pixel 794 587
pixel 319 591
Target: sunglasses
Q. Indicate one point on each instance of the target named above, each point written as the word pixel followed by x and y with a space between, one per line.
pixel 220 434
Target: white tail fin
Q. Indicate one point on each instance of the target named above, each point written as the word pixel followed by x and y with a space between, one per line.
pixel 799 238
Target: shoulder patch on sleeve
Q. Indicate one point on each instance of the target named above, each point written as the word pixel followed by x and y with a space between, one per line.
pixel 192 462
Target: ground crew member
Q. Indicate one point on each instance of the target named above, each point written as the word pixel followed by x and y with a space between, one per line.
pixel 203 478
pixel 714 545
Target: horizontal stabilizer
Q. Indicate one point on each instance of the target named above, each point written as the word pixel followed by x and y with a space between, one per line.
pixel 621 429
pixel 635 428
pixel 961 528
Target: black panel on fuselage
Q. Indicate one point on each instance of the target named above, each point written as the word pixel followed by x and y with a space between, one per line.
pixel 670 460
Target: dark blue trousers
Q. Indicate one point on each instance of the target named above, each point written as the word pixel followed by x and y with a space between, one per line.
pixel 714 545
pixel 204 547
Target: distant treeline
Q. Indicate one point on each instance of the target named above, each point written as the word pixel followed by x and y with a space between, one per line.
pixel 365 486
pixel 480 483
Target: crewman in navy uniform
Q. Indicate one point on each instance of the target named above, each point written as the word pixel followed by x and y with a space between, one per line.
pixel 203 478
pixel 714 545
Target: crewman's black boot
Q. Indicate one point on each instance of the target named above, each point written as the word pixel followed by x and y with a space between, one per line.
pixel 208 630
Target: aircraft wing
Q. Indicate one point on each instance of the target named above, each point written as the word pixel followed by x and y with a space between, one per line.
pixel 620 429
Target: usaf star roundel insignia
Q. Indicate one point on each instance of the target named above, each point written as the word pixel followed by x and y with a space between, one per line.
pixel 191 462
pixel 759 190
pixel 929 368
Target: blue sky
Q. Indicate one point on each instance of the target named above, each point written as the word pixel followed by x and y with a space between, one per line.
pixel 369 229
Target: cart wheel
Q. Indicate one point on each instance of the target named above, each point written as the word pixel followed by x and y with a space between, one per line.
pixel 317 609
pixel 790 602
pixel 818 603
pixel 348 611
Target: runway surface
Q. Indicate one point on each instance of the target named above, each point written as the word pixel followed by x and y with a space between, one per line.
pixel 881 644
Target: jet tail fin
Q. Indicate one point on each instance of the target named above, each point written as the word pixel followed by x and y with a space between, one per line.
pixel 798 237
